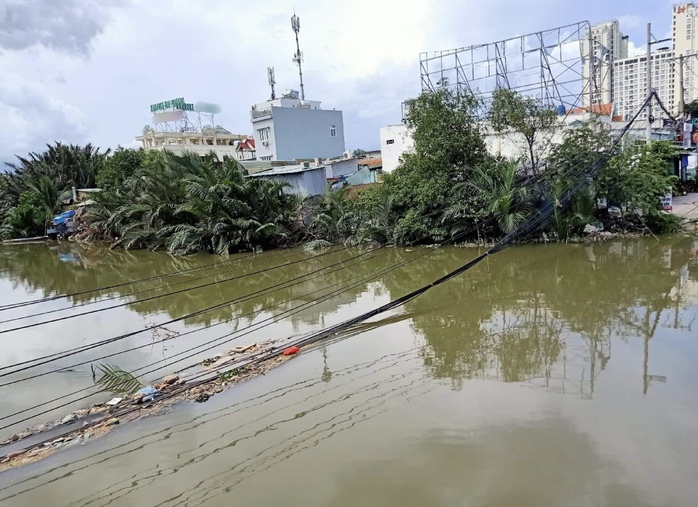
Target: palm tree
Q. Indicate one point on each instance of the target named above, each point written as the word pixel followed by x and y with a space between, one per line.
pixel 334 220
pixel 187 203
pixel 67 165
pixel 507 200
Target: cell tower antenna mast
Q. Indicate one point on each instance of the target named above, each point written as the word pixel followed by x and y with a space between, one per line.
pixel 298 56
pixel 272 81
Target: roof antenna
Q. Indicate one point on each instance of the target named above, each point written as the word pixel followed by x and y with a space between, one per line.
pixel 272 81
pixel 298 56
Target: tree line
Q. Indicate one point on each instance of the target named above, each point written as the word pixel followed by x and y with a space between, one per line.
pixel 449 184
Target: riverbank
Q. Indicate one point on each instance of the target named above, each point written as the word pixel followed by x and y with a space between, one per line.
pixel 196 383
pixel 686 208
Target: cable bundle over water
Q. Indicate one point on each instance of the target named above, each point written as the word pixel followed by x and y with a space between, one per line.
pixel 541 216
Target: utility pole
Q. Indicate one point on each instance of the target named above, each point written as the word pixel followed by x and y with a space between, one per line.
pixel 298 56
pixel 682 100
pixel 648 123
pixel 592 70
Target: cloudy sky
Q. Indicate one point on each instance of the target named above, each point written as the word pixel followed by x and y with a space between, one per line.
pixel 87 70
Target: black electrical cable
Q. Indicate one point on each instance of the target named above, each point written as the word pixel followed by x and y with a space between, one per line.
pixel 121 296
pixel 530 225
pixel 217 340
pixel 108 341
pixel 122 284
pixel 260 325
pixel 168 359
pixel 78 350
pixel 257 326
pixel 171 293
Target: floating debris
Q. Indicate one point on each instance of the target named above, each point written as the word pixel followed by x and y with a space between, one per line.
pixel 70 418
pixel 291 351
pixel 146 394
pixel 170 379
pixel 242 348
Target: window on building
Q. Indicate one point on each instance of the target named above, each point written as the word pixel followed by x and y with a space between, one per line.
pixel 333 131
pixel 263 134
pixel 268 157
pixel 390 141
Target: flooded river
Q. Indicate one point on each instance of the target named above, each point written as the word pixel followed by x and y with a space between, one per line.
pixel 561 375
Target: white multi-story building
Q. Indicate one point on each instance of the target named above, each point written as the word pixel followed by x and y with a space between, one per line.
pixel 621 79
pixel 608 45
pixel 630 83
pixel 289 128
pixel 216 140
pixel 684 42
pixel 395 140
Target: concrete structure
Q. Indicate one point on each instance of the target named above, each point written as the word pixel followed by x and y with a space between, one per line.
pixel 621 78
pixel 510 145
pixel 289 128
pixel 245 149
pixel 630 83
pixel 303 180
pixel 545 64
pixel 395 140
pixel 684 42
pixel 608 45
pixel 255 166
pixel 220 141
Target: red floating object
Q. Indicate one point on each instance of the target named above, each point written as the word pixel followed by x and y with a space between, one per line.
pixel 291 351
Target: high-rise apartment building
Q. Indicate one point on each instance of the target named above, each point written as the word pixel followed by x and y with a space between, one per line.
pixel 630 83
pixel 608 45
pixel 621 79
pixel 684 42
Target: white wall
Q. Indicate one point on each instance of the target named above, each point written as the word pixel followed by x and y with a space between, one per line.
pixel 200 149
pixel 299 133
pixel 306 133
pixel 506 144
pixel 395 140
pixel 268 149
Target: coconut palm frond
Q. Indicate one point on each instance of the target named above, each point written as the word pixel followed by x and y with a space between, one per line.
pixel 116 380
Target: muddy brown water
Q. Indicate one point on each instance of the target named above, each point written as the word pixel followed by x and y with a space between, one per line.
pixel 561 375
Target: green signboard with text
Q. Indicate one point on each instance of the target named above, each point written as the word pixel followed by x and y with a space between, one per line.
pixel 172 104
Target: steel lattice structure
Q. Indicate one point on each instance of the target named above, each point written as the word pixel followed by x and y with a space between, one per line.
pixel 546 65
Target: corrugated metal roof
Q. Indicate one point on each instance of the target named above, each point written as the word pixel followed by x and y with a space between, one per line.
pixel 255 166
pixel 288 169
pixel 373 162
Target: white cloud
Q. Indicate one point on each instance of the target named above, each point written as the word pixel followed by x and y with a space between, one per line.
pixel 67 25
pixel 634 50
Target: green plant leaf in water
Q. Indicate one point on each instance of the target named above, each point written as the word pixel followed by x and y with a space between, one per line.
pixel 116 380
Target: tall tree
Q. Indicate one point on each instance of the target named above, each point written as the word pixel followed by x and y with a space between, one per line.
pixel 512 112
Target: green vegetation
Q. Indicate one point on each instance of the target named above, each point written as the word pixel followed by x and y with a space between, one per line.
pixel 115 380
pixel 31 190
pixel 448 185
pixel 359 153
pixel 187 204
